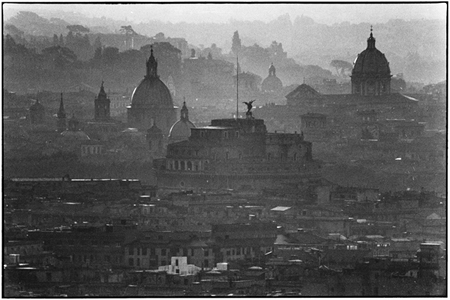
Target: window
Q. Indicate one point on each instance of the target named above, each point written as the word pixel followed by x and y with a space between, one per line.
pixel 228 252
pixel 185 252
pixel 152 251
pixel 206 263
pixel 189 166
pixel 131 251
pixel 163 252
pixel 130 262
pixel 206 253
pixel 138 262
pixel 144 251
pixel 176 262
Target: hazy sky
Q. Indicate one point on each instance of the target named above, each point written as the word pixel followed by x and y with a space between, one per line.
pixel 219 13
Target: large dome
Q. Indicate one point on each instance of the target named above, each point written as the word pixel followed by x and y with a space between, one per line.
pixel 151 92
pixel 371 75
pixel 371 61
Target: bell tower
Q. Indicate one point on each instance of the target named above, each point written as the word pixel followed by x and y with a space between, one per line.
pixel 102 105
pixel 61 123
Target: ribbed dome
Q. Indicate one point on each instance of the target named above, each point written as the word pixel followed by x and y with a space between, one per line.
pixel 151 91
pixel 371 61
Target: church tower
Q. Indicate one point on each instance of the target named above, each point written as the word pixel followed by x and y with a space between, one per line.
pixel 102 106
pixel 61 123
pixel 371 75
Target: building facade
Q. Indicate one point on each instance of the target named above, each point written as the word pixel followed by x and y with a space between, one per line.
pixel 236 154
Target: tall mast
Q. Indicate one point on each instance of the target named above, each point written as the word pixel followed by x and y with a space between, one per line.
pixel 237 87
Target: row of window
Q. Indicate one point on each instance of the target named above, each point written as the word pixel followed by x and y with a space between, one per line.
pixel 182 165
pixel 85 150
pixel 163 251
pixel 92 242
pixel 98 258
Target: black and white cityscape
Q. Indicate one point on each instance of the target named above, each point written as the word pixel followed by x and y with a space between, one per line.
pixel 224 149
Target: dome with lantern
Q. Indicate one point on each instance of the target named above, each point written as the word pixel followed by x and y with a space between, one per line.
pixel 181 130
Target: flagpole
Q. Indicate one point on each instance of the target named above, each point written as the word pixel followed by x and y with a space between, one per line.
pixel 237 87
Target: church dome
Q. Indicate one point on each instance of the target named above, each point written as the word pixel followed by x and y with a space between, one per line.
pixel 271 83
pixel 151 91
pixel 371 61
pixel 181 130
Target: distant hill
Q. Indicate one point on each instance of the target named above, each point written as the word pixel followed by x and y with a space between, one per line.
pixel 416 48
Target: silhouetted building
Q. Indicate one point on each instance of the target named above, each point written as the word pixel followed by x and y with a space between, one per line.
pixel 237 154
pixel 102 106
pixel 155 140
pixel 271 83
pixel 181 130
pixel 371 74
pixel 37 113
pixel 151 101
pixel 74 132
pixel 61 123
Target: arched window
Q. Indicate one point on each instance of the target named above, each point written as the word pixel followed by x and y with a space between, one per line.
pixel 182 165
pixel 177 165
pixel 189 165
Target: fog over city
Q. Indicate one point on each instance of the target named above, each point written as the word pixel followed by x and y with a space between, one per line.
pixel 224 149
pixel 328 14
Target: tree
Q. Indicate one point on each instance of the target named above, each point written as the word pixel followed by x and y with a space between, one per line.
pixel 236 43
pixel 62 56
pixel 55 40
pixel 77 29
pixel 341 67
pixel 97 43
pixel 110 55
